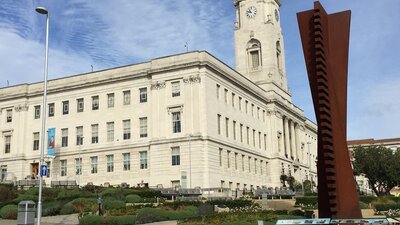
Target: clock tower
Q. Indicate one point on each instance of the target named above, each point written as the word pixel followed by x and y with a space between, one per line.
pixel 259 48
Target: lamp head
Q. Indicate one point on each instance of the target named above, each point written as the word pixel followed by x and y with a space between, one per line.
pixel 42 10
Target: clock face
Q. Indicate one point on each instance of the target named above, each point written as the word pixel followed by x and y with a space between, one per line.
pixel 251 12
pixel 276 15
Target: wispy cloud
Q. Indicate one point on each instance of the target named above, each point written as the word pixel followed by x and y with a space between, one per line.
pixel 113 33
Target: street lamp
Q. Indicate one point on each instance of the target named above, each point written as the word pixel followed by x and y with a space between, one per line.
pixel 44 11
pixel 309 166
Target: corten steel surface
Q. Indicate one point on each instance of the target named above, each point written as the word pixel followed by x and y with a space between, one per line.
pixel 325 40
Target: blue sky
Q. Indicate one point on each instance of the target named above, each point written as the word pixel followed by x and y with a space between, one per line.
pixel 106 33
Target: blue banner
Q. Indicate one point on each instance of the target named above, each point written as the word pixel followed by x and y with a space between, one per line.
pixel 51 135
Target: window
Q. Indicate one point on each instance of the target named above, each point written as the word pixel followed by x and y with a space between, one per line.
pixel 236 163
pixel 255 59
pixel 265 142
pixel 65 107
pixel 95 133
pixel 242 162
pixel 254 51
pixel 241 132
pixel 143 159
pixel 233 99
pixel 234 130
pixel 249 161
pixel 80 105
pixel 78 166
pixel 263 115
pixel 278 54
pixel 143 126
pixel 110 100
pixel 258 112
pixel 259 139
pixel 176 89
pixel 219 123
pixel 127 161
pixel 95 102
pixel 255 166
pixel 218 91
pixel 63 167
pixel 7 144
pixel 143 95
pixel 110 163
pixel 176 122
pixel 37 112
pixel 9 115
pixel 3 173
pixel 79 135
pixel 127 129
pixel 261 167
pixel 127 97
pixel 110 131
pixel 227 127
pixel 93 164
pixel 240 103
pixel 220 157
pixel 176 157
pixel 254 138
pixel 64 137
pixel 248 135
pixel 36 141
pixel 226 95
pixel 51 109
pixel 252 109
pixel 246 106
pixel 229 158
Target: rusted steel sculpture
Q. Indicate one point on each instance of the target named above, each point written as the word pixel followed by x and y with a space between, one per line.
pixel 325 40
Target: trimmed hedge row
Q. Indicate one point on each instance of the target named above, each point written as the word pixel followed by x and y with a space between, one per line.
pixel 108 220
pixel 386 207
pixel 150 215
pixel 9 212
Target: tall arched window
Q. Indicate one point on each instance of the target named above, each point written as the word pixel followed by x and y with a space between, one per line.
pixel 254 54
pixel 278 54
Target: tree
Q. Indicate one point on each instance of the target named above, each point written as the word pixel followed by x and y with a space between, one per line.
pixel 380 165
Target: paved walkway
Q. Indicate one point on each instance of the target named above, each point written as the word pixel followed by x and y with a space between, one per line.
pixel 50 220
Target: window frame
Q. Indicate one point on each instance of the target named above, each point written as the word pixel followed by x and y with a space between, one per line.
pixel 37 112
pixel 65 107
pixel 175 156
pixel 126 97
pixel 175 89
pixel 64 138
pixel 95 102
pixel 143 127
pixel 110 100
pixel 80 105
pixel 126 124
pixel 36 137
pixel 51 109
pixel 143 161
pixel 176 122
pixel 143 95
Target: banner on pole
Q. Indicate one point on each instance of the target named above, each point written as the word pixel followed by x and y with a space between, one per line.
pixel 51 135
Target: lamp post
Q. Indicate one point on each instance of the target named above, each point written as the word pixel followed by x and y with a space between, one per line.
pixel 44 11
pixel 309 167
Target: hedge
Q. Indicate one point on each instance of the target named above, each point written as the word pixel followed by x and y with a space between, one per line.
pixel 150 215
pixel 80 205
pixel 9 212
pixel 309 201
pixel 133 198
pixel 108 220
pixel 110 204
pixel 237 203
pixel 386 207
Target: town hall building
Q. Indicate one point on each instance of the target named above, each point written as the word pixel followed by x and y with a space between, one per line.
pixel 185 120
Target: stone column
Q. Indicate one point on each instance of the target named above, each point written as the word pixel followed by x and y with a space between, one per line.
pixel 286 135
pixel 292 142
pixel 296 135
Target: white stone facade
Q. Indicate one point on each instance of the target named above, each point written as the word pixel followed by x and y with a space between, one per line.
pixel 185 120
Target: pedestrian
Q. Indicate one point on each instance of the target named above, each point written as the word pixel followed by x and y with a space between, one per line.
pixel 100 203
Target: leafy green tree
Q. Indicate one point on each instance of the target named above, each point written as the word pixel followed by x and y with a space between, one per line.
pixel 380 165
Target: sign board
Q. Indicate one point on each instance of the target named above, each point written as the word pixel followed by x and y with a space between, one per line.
pixel 332 221
pixel 43 170
pixel 51 133
pixel 304 221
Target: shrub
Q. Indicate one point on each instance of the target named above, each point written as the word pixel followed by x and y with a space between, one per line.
pixel 7 193
pixel 149 215
pixel 119 220
pixel 52 208
pixel 308 214
pixel 237 203
pixel 309 201
pixel 9 212
pixel 79 205
pixel 110 204
pixel 91 220
pixel 133 198
pixel 180 204
pixel 281 212
pixel 296 212
pixel 386 207
pixel 238 223
pixel 71 194
pixel 363 205
pixel 367 199
pixel 205 209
